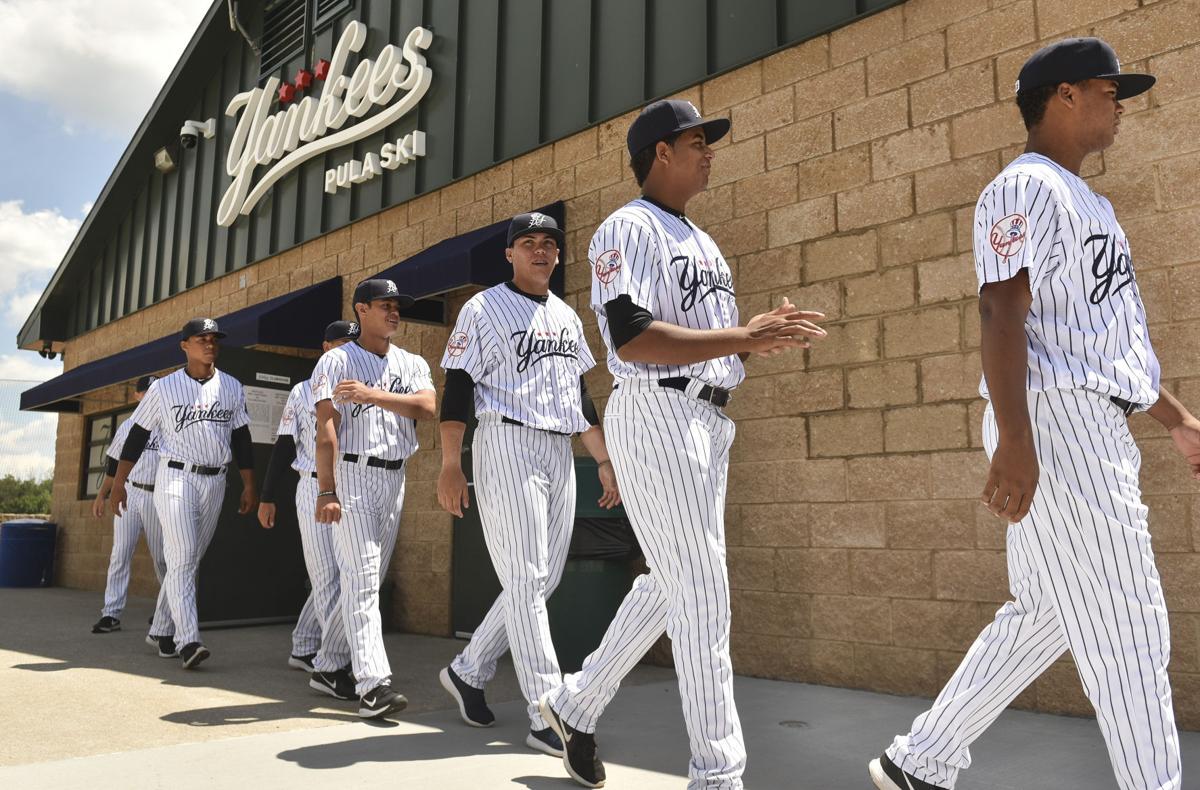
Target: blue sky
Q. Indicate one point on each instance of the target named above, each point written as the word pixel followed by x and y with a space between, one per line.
pixel 78 81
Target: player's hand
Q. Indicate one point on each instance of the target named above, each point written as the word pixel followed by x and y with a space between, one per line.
pixel 116 500
pixel 1012 479
pixel 248 501
pixel 329 510
pixel 266 515
pixel 1186 436
pixel 608 481
pixel 783 328
pixel 452 491
pixel 353 391
pixel 98 505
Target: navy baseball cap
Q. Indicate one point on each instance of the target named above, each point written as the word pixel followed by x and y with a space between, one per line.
pixel 341 330
pixel 535 222
pixel 668 116
pixel 144 383
pixel 379 288
pixel 200 326
pixel 1078 59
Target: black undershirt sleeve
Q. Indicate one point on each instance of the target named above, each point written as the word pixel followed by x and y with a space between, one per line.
pixel 135 443
pixel 281 461
pixel 458 397
pixel 626 320
pixel 110 467
pixel 243 451
pixel 585 403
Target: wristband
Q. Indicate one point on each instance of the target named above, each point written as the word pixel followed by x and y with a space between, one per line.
pixel 327 493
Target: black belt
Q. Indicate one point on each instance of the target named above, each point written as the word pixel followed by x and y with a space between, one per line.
pixel 511 421
pixel 1126 406
pixel 197 468
pixel 142 486
pixel 717 396
pixel 378 463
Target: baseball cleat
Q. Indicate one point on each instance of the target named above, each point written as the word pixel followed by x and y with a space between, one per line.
pixel 472 706
pixel 304 662
pixel 192 653
pixel 166 647
pixel 152 640
pixel 887 776
pixel 380 701
pixel 106 625
pixel 338 685
pixel 579 752
pixel 545 740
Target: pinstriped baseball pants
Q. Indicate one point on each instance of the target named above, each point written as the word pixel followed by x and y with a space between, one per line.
pixel 139 517
pixel 525 489
pixel 671 455
pixel 317 542
pixel 188 506
pixel 363 540
pixel 1083 578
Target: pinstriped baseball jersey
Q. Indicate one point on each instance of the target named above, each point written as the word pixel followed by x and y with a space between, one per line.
pixel 671 268
pixel 299 421
pixel 1086 326
pixel 194 420
pixel 147 464
pixel 526 356
pixel 367 429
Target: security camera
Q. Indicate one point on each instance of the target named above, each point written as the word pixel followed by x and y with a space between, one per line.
pixel 191 131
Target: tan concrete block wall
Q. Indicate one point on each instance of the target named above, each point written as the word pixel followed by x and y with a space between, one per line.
pixel 858 555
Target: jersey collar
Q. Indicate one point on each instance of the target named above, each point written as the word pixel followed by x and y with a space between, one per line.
pixel 665 208
pixel 513 287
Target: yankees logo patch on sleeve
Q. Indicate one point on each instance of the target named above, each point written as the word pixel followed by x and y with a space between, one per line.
pixel 1007 236
pixel 608 265
pixel 457 344
pixel 319 382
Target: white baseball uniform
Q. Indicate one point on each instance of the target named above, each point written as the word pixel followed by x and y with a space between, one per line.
pixel 371 497
pixel 195 421
pixel 139 516
pixel 1081 570
pixel 525 354
pixel 671 454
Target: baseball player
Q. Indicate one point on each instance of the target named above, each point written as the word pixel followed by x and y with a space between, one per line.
pixel 369 395
pixel 200 415
pixel 664 296
pixel 1066 358
pixel 516 360
pixel 139 516
pixel 295 446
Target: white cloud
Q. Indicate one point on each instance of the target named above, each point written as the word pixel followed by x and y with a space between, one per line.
pixel 26 366
pixel 100 64
pixel 31 247
pixel 27 450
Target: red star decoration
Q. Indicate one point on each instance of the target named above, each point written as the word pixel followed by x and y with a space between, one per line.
pixel 286 93
pixel 303 80
pixel 322 69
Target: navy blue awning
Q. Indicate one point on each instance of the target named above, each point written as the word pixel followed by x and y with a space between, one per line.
pixel 474 258
pixel 297 319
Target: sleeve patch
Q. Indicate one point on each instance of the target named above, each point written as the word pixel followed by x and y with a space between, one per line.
pixel 608 265
pixel 1007 236
pixel 458 344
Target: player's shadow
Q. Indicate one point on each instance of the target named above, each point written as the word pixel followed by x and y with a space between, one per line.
pixel 252 713
pixel 400 748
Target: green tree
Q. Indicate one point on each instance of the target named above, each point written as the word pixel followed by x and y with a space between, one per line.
pixel 24 496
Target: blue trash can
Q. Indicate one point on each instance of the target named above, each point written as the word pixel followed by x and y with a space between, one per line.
pixel 27 553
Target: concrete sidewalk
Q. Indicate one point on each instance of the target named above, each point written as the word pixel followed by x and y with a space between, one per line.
pixel 104 712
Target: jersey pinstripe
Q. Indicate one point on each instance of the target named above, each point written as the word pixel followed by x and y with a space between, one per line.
pixel 194 420
pixel 147 464
pixel 367 429
pixel 299 421
pixel 671 268
pixel 1086 326
pixel 525 356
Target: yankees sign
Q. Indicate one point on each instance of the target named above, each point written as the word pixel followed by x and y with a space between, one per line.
pixel 395 82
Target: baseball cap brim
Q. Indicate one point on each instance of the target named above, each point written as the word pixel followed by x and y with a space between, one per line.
pixel 1129 85
pixel 714 128
pixel 217 335
pixel 555 233
pixel 403 299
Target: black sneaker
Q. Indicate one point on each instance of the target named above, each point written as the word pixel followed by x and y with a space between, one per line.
pixel 545 740
pixel 380 701
pixel 579 756
pixel 471 704
pixel 106 625
pixel 193 653
pixel 165 645
pixel 336 684
pixel 887 776
pixel 304 662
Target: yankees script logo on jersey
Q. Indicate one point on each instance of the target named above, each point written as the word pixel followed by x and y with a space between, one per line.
pixel 194 419
pixel 671 268
pixel 365 429
pixel 525 355
pixel 1086 325
pixel 147 464
pixel 299 421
